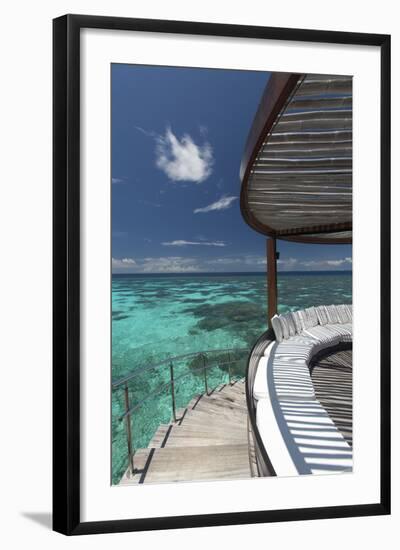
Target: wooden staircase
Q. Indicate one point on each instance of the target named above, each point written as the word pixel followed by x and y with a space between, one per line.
pixel 208 441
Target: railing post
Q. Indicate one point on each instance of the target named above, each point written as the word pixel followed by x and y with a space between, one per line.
pixel 171 371
pixel 129 430
pixel 205 373
pixel 229 369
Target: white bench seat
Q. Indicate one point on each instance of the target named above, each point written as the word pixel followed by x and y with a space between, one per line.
pixel 325 335
pixel 298 434
pixel 301 438
pixel 260 386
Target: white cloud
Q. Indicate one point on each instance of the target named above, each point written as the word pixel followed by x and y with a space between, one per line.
pixel 203 130
pixel 335 263
pixel 246 261
pixel 117 180
pixel 225 261
pixel 183 160
pixel 326 264
pixel 146 132
pixel 287 262
pixel 123 263
pixel 168 264
pixel 186 243
pixel 255 260
pixel 293 263
pixel 222 204
pixel 150 203
pixel 251 261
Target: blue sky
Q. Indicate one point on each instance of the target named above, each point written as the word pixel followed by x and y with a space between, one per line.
pixel 178 136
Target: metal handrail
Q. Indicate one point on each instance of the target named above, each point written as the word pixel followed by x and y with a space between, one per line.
pixel 176 358
pixel 164 386
pixel 129 410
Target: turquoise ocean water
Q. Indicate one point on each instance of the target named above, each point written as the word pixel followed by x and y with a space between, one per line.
pixel 158 316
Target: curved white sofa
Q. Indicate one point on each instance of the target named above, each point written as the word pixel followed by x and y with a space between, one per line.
pixel 297 432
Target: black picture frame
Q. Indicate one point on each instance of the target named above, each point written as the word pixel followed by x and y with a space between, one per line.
pixel 66 273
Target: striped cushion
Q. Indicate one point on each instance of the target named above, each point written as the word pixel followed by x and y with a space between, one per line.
pixel 297 321
pixel 294 353
pixel 348 326
pixel 349 308
pixel 332 314
pixel 292 379
pixel 277 326
pixel 285 326
pixel 305 332
pixel 342 313
pixel 289 328
pixel 311 317
pixel 322 315
pixel 303 317
pixel 325 335
pixel 343 329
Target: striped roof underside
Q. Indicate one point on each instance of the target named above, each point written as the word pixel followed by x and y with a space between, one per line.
pixel 302 175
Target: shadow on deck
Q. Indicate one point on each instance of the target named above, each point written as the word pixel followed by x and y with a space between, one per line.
pixel 332 379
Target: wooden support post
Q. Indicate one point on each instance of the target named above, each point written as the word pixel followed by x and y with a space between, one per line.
pixel 272 279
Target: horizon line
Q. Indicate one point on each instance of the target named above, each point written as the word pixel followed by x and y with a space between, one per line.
pixel 234 272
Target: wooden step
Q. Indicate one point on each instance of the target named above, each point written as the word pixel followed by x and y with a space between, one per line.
pixel 221 428
pixel 192 464
pixel 193 437
pixel 215 406
pixel 214 422
pixel 179 413
pixel 211 419
pixel 194 401
pixel 232 393
pixel 209 441
pixel 226 394
pixel 159 436
pixel 141 459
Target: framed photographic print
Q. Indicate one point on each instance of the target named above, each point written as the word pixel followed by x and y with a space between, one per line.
pixel 221 274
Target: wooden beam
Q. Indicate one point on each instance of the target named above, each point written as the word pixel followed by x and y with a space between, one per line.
pixel 321 228
pixel 272 279
pixel 279 88
pixel 317 240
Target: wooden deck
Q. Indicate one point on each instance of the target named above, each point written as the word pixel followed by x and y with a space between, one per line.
pixel 332 380
pixel 209 441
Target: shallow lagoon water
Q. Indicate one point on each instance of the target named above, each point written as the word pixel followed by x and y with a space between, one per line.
pixel 155 317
